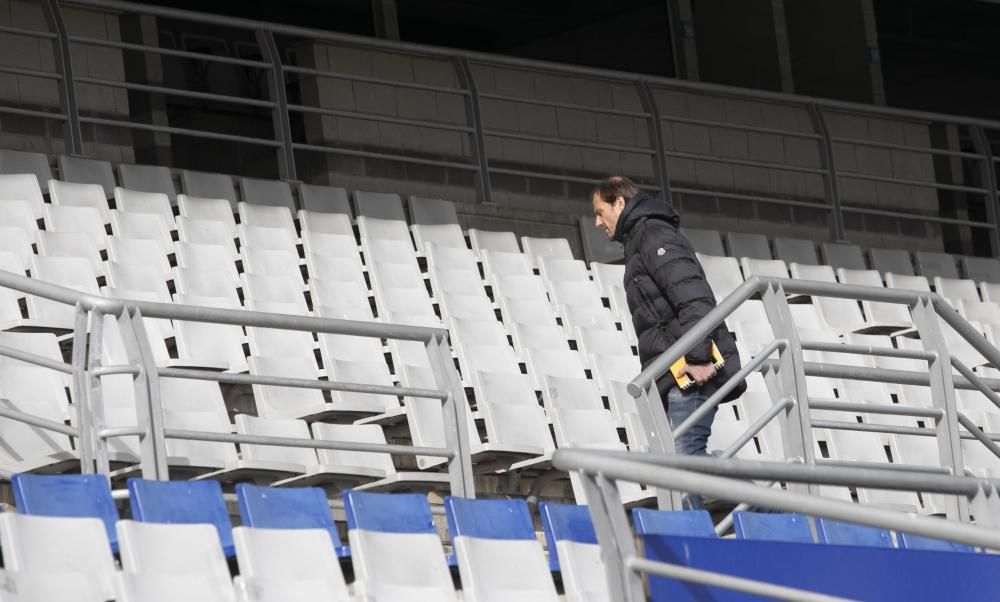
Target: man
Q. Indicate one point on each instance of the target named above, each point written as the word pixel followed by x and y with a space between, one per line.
pixel 667 294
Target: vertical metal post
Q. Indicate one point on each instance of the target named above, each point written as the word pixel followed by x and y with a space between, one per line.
pixel 832 184
pixel 796 425
pixel 655 126
pixel 982 144
pixel 656 425
pixel 85 419
pixel 95 396
pixel 72 133
pixel 484 192
pixel 148 409
pixel 943 397
pixel 614 536
pixel 456 420
pixel 279 117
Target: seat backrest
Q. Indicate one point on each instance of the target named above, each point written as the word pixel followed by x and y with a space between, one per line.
pixel 843 255
pixel 275 427
pixel 19 215
pixel 754 246
pixel 379 205
pixel 80 496
pixel 23 187
pixel 432 212
pixel 566 523
pixel 847 534
pixel 956 289
pixel 555 248
pixel 180 503
pixel 683 523
pixel 272 193
pixel 87 171
pixel 24 162
pixel 482 240
pixel 356 433
pixel 902 281
pixel 289 564
pixel 706 242
pixel 328 199
pixel 897 261
pixel 772 527
pixel 798 250
pixel 267 216
pixel 72 194
pixel 562 392
pixel 209 186
pixel 147 178
pixel 981 269
pixel 930 264
pixel 135 201
pixel 286 508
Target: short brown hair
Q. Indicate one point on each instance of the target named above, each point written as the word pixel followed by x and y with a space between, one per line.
pixel 614 187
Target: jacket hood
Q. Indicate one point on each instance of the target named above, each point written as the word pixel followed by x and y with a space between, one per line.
pixel 643 206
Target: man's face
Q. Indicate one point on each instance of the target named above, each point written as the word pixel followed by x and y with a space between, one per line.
pixel 606 214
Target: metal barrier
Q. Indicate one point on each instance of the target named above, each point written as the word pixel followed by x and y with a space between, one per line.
pixel 86 369
pixel 282 77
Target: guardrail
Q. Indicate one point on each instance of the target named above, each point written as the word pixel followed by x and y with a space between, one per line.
pixel 279 102
pixel 87 369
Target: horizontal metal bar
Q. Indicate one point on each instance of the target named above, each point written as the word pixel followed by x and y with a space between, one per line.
pixel 35 359
pixel 757 426
pixel 876 408
pixel 30 73
pixel 543 176
pixel 881 429
pixel 399 450
pixel 169 129
pixel 853 175
pixel 37 421
pixel 238 100
pixel 916 216
pixel 31 33
pixel 744 128
pixel 31 113
pixel 300 383
pixel 380 118
pixel 721 580
pixel 744 162
pixel 121 431
pixel 750 197
pixel 199 56
pixel 387 156
pixel 564 105
pixel 914 354
pixel 372 80
pixel 109 370
pixel 669 472
pixel 638 150
pixel 982 437
pixel 906 147
pixel 917 468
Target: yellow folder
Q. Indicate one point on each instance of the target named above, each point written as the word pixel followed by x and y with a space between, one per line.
pixel 682 379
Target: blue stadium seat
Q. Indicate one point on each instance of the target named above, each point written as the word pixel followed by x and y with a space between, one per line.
pixel 848 534
pixel 573 551
pixel 906 541
pixel 772 527
pixel 687 523
pixel 69 496
pixel 288 508
pixel 498 553
pixel 182 502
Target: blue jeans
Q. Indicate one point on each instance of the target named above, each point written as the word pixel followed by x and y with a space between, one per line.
pixel 694 441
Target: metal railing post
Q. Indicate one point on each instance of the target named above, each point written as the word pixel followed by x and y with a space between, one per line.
pixel 660 439
pixel 84 415
pixel 655 126
pixel 279 115
pixel 474 117
pixel 831 184
pixel 95 395
pixel 72 133
pixel 614 536
pixel 943 397
pixel 796 425
pixel 148 409
pixel 456 419
pixel 982 144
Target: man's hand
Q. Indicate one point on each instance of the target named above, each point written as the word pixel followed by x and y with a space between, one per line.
pixel 700 373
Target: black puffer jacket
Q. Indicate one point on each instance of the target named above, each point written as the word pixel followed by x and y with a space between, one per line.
pixel 665 285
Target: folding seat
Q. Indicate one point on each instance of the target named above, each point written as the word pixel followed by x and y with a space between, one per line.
pixel 514 428
pixel 263 238
pixel 554 269
pixel 77 219
pixel 847 534
pixel 477 332
pixel 456 282
pixel 357 360
pixel 981 269
pixel 147 178
pixel 526 311
pixel 287 402
pixel 501 263
pixel 71 554
pixel 619 305
pixel 19 215
pixel 552 248
pixel 79 170
pixel 752 246
pixel 283 564
pixel 577 316
pixel 277 343
pixel 843 255
pixel 549 362
pixel 774 268
pixel 582 293
pixel 72 272
pixel 982 312
pixel 979 460
pixel 758 526
pixel 208 186
pixel 492 358
pixel 27 447
pixel 452 258
pixel 895 261
pixel 44 344
pixel 572 393
pixel 407 306
pixel 843 315
pixel 503 388
pixel 796 250
pixel 207 209
pixel 678 523
pixel 140 251
pixel 520 286
pixel 931 265
pixel 607 276
pixel 319 222
pixel 70 244
pixel 23 187
pixel 915 450
pixel 345 300
pixel 206 232
pixel 334 246
pixel 266 193
pixel 435 221
pixel 287 508
pixel 313 197
pixel 498 554
pixel 13 255
pixel 820 273
pixel 175 503
pixel 162 562
pixel 206 283
pixel 68 496
pixel 208 344
pixel 272 262
pixel 381 215
pixel 911 283
pixel 706 242
pixel 274 293
pixel 723 274
pixel 267 216
pixel 142 283
pixel 141 225
pixel 609 369
pixel 538 336
pixel 216 259
pixel 483 240
pixel 67 194
pixel 574 551
pixel 25 162
pixel 956 289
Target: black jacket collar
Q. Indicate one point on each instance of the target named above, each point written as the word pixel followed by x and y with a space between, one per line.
pixel 641 207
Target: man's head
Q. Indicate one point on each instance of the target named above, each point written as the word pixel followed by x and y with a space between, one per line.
pixel 609 199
